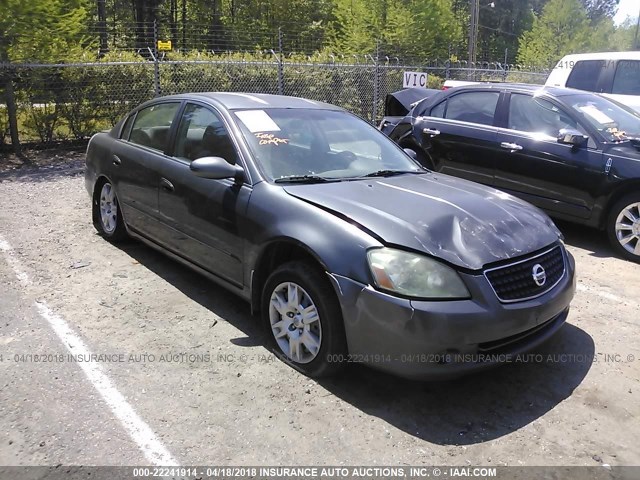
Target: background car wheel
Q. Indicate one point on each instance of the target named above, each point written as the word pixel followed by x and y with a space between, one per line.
pixel 303 318
pixel 623 227
pixel 107 217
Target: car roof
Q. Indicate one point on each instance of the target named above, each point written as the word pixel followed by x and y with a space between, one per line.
pixel 522 87
pixel 244 101
pixel 603 56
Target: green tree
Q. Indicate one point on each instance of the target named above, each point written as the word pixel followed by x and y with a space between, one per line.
pixel 414 28
pixel 44 30
pixel 599 9
pixel 563 27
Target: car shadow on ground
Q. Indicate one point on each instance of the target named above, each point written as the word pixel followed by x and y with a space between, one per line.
pixel 592 240
pixel 469 410
pixel 479 407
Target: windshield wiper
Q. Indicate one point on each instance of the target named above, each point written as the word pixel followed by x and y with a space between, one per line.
pixel 390 173
pixel 302 179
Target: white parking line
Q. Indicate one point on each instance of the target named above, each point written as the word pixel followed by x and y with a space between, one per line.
pixel 13 262
pixel 152 448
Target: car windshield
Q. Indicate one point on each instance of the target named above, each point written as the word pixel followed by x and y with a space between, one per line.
pixel 313 145
pixel 615 122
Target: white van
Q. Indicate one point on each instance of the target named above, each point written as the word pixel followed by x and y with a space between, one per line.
pixel 614 74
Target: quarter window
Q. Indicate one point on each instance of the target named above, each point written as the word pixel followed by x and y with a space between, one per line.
pixel 536 115
pixel 585 75
pixel 152 124
pixel 474 107
pixel 627 79
pixel 126 129
pixel 203 134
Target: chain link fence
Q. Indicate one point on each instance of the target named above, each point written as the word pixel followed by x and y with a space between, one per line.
pixel 62 102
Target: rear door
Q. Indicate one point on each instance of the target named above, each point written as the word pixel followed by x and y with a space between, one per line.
pixel 136 160
pixel 201 216
pixel 460 135
pixel 532 164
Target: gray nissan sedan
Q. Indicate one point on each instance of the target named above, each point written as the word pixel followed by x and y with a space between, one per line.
pixel 349 250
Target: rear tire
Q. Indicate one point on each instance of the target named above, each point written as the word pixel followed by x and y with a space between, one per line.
pixel 107 217
pixel 303 319
pixel 623 227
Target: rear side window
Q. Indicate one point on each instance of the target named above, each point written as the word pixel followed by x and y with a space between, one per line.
pixel 627 78
pixel 152 124
pixel 474 107
pixel 585 75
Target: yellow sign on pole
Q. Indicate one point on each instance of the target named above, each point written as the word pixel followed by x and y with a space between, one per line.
pixel 164 46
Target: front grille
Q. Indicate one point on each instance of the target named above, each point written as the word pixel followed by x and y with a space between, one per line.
pixel 515 282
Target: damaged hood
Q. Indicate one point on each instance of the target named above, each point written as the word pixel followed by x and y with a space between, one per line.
pixel 461 222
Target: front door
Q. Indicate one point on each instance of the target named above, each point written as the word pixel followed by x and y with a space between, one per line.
pixel 202 215
pixel 533 165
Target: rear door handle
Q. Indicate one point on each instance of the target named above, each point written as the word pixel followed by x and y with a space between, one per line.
pixel 511 146
pixel 431 131
pixel 116 160
pixel 166 185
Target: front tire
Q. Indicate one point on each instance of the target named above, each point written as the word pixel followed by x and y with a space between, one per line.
pixel 107 217
pixel 303 318
pixel 623 227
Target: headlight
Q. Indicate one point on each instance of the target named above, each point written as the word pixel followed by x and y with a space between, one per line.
pixel 414 275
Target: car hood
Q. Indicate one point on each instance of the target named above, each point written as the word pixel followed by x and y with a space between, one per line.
pixel 461 222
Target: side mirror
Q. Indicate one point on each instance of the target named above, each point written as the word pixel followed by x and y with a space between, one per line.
pixel 216 168
pixel 412 153
pixel 572 137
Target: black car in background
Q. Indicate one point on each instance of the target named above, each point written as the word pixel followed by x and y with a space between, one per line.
pixel 574 154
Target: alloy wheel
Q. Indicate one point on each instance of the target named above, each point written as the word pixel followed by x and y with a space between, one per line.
pixel 628 228
pixel 108 208
pixel 295 322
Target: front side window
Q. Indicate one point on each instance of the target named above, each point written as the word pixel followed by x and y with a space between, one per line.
pixel 474 107
pixel 615 122
pixel 531 114
pixel 311 142
pixel 585 74
pixel 627 78
pixel 202 134
pixel 152 124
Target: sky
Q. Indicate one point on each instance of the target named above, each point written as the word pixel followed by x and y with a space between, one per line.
pixel 627 8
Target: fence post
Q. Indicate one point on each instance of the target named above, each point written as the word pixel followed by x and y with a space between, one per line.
pixel 376 84
pixel 504 68
pixel 156 66
pixel 280 64
pixel 12 110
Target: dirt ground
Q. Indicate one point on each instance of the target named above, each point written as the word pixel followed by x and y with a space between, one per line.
pixel 223 399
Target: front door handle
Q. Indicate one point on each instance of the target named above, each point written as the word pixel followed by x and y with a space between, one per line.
pixel 514 147
pixel 166 185
pixel 116 160
pixel 431 131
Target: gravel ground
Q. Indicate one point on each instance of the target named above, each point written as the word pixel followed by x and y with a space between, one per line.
pixel 225 400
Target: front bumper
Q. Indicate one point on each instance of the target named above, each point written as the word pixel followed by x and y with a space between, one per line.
pixel 445 339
